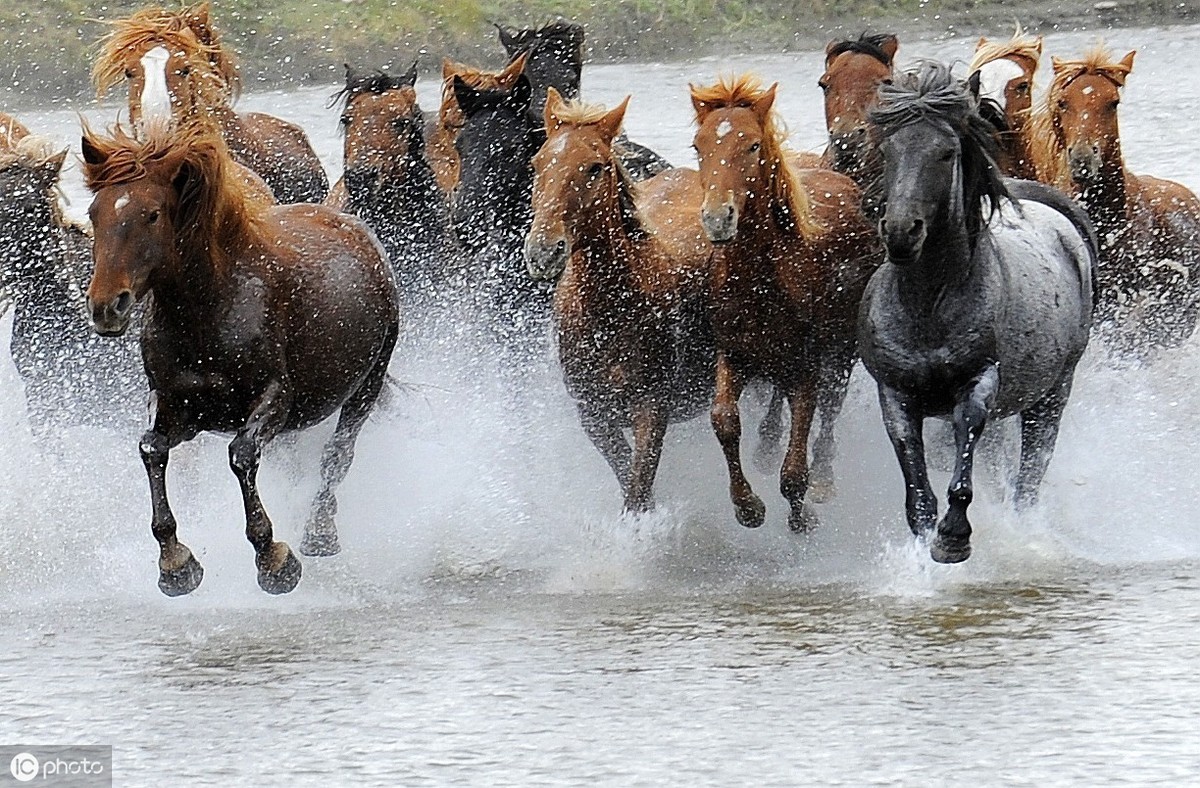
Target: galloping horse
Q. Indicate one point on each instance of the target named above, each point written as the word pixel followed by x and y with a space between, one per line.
pixel 71 376
pixel 854 70
pixel 631 304
pixel 443 130
pixel 491 211
pixel 176 67
pixel 387 181
pixel 792 257
pixel 1006 70
pixel 983 308
pixel 262 319
pixel 1149 228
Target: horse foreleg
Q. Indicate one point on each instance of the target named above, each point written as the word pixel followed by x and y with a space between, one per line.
pixel 953 542
pixel 649 429
pixel 179 572
pixel 278 568
pixel 605 434
pixel 320 532
pixel 1039 432
pixel 770 433
pixel 831 395
pixel 904 427
pixel 793 477
pixel 727 423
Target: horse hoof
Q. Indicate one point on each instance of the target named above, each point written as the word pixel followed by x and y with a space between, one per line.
pixel 752 515
pixel 821 491
pixel 949 550
pixel 283 579
pixel 320 545
pixel 181 581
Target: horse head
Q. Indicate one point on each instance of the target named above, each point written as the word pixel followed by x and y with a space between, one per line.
pixel 854 70
pixel 1083 102
pixel 382 127
pixel 555 59
pixel 576 180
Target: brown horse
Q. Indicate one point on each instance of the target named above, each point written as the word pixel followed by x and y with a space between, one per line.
pixel 1006 70
pixel 262 319
pixel 631 304
pixel 793 255
pixel 443 130
pixel 176 67
pixel 854 70
pixel 1149 228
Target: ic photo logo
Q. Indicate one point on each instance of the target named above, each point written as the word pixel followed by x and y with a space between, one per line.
pixel 24 767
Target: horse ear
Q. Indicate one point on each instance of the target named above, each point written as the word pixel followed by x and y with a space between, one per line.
pixel 510 38
pixel 550 114
pixel 610 125
pixel 890 45
pixel 1038 45
pixel 981 43
pixel 507 78
pixel 91 152
pixel 701 106
pixel 466 96
pixel 762 105
pixel 409 78
pixel 448 68
pixel 973 82
pixel 521 95
pixel 1056 65
pixel 198 21
pixel 1126 67
pixel 51 167
pixel 351 77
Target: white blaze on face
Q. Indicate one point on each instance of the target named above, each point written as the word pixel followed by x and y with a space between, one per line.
pixel 994 78
pixel 155 99
pixel 723 128
pixel 121 202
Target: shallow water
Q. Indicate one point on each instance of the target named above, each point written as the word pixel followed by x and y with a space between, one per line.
pixel 492 618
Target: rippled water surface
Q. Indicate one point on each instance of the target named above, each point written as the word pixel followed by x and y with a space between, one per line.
pixel 492 618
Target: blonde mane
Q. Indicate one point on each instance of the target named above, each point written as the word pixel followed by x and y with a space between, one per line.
pixel 217 211
pixel 1050 151
pixel 789 194
pixel 574 112
pixel 214 72
pixel 1021 44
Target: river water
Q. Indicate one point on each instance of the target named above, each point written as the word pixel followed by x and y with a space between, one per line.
pixel 493 619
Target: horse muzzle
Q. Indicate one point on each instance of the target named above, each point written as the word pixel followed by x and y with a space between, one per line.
pixel 903 238
pixel 1085 163
pixel 720 223
pixel 544 260
pixel 111 318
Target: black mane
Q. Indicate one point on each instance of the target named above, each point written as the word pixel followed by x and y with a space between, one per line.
pixel 378 81
pixel 866 44
pixel 931 94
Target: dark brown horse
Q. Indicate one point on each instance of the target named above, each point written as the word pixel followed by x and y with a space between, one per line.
pixel 631 304
pixel 854 70
pixel 262 319
pixel 793 254
pixel 176 67
pixel 1149 228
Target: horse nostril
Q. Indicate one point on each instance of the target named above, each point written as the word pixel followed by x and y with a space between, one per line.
pixel 728 211
pixel 561 245
pixel 918 226
pixel 123 303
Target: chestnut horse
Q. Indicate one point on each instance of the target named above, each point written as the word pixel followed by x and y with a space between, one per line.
pixel 387 181
pixel 1006 70
pixel 176 67
pixel 262 319
pixel 793 254
pixel 631 303
pixel 854 70
pixel 1149 228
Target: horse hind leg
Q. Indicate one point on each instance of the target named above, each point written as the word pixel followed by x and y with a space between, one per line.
pixel 831 395
pixel 1039 433
pixel 320 532
pixel 952 544
pixel 767 454
pixel 608 439
pixel 794 476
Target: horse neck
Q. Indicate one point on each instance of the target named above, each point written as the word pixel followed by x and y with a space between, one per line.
pixel 602 262
pixel 758 229
pixel 1107 199
pixel 946 261
pixel 30 252
pixel 417 199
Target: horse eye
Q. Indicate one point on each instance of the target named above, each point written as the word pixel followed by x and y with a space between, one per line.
pixel 1023 88
pixel 152 217
pixel 887 81
pixel 183 72
pixel 129 73
pixel 755 147
pixel 946 155
pixel 595 170
pixel 1062 104
pixel 344 120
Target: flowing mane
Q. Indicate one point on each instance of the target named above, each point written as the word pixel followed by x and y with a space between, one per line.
pixel 449 113
pixel 1051 162
pixel 931 94
pixel 1021 44
pixel 217 212
pixel 865 44
pixel 576 114
pixel 793 207
pixel 185 30
pixel 378 82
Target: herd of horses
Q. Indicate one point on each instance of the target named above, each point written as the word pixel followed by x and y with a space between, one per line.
pixel 962 239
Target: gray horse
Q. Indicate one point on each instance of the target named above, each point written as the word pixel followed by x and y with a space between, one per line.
pixel 985 303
